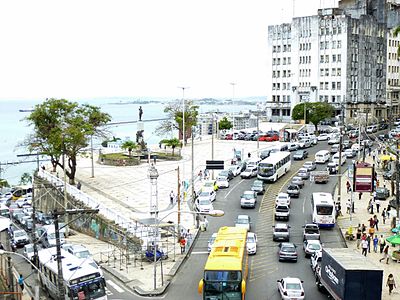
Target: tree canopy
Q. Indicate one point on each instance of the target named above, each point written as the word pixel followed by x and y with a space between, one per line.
pixel 61 126
pixel 315 112
pixel 174 119
pixel 129 145
pixel 225 124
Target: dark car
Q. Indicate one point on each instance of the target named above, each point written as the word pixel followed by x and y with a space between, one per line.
pixel 265 153
pixel 300 154
pixel 293 190
pixel 287 251
pixel 382 193
pixel 383 126
pixel 227 173
pixel 258 187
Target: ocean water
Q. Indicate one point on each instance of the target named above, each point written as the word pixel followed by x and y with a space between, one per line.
pixel 14 130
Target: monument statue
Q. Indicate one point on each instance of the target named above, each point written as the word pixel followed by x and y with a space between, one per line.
pixel 140 113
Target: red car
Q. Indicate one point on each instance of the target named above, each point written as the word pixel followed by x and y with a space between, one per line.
pixel 272 138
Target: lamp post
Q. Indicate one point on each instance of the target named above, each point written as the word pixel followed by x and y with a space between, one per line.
pixel 233 102
pixel 213 213
pixel 153 175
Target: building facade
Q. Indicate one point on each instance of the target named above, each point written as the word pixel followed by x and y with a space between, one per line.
pixel 328 57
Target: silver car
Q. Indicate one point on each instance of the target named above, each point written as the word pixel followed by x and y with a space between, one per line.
pixel 281 232
pixel 298 181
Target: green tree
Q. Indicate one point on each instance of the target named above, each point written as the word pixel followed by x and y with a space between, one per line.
pixel 25 178
pixel 315 112
pixel 173 143
pixel 174 119
pixel 3 183
pixel 129 145
pixel 61 126
pixel 225 124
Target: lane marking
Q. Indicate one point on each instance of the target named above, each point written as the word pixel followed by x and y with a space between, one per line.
pixel 227 194
pixel 115 286
pixel 265 196
pixel 200 252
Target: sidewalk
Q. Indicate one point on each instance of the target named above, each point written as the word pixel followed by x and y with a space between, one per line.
pixel 361 216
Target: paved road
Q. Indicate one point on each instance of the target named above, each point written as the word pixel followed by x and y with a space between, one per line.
pixel 264 268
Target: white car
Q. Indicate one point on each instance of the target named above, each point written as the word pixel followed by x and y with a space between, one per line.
pixel 236 169
pixel 248 199
pixel 28 251
pixel 291 288
pixel 282 199
pixel 222 182
pixel 204 205
pixel 207 195
pixel 315 258
pixel 334 140
pixel 310 165
pixel 350 153
pixel 251 243
pixel 323 137
pixel 243 221
pixel 311 246
pixel 249 172
pixel 293 147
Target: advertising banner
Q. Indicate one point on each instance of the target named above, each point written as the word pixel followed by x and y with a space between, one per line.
pixel 364 176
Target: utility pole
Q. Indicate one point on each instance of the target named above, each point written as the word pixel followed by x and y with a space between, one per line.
pixel 91 154
pixel 397 184
pixel 33 235
pixel 212 144
pixel 340 168
pixel 193 193
pixel 60 277
pixel 258 132
pixel 179 200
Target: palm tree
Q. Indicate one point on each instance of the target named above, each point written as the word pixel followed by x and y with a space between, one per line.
pixel 173 143
pixel 129 145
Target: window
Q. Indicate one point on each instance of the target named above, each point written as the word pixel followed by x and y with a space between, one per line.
pixel 333 85
pixel 333 44
pixel 273 74
pixel 278 74
pixel 339 72
pixel 288 60
pixel 274 86
pixel 334 58
pixel 321 98
pixel 284 60
pixel 339 30
pixel 339 44
pixel 326 45
pixel 321 46
pixel 339 57
pixel 326 72
pixel 284 73
pixel 326 98
pixel 333 98
pixel 338 85
pixel 321 85
pixel 321 59
pixel 274 49
pixel 278 49
pixel 273 61
pixel 333 71
pixel 326 85
pixel 326 58
pixel 279 61
pixel 278 86
pixel 283 86
pixel 321 72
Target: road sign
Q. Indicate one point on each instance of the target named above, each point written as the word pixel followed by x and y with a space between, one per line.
pixel 214 164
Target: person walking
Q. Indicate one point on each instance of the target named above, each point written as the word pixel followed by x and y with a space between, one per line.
pixel 364 247
pixel 375 242
pixel 390 283
pixel 378 205
pixel 358 238
pixel 348 186
pixel 383 215
pixel 359 195
pixel 21 282
pixel 369 238
pixel 182 243
pixel 205 223
pixel 385 254
pixel 382 244
pixel 171 197
pixel 348 206
pixel 79 185
pixel 376 221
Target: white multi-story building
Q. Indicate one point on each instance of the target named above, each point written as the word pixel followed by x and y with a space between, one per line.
pixel 393 75
pixel 328 57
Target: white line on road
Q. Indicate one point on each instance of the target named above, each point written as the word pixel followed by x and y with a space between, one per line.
pixel 115 286
pixel 227 194
pixel 200 252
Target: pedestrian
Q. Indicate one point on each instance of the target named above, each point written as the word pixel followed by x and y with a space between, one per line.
pixel 385 254
pixel 371 222
pixel 205 223
pixel 363 228
pixel 369 243
pixel 79 185
pixel 384 215
pixel 378 205
pixel 21 282
pixel 359 195
pixel 391 283
pixel 249 155
pixel 382 244
pixel 377 185
pixel 358 238
pixel 364 247
pixel 371 232
pixel 182 243
pixel 376 221
pixel 171 197
pixel 348 206
pixel 348 186
pixel 375 240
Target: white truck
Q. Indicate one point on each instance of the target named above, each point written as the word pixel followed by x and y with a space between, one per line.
pixel 320 176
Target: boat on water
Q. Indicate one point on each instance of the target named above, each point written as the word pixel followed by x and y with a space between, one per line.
pixel 26 110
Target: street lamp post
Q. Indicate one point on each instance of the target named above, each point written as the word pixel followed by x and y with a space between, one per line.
pixel 233 103
pixel 153 175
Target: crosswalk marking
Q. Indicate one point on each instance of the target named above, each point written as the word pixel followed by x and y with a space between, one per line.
pixel 115 286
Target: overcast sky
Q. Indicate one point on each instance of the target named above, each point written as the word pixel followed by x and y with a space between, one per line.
pixel 135 48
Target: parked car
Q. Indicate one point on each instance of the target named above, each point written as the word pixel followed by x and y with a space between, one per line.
pixel 310 165
pixel 222 182
pixel 265 153
pixel 251 243
pixel 334 149
pixel 304 143
pixel 28 251
pixel 300 155
pixel 293 190
pixel 281 232
pixel 311 246
pixel 350 153
pixel 323 137
pixel 287 251
pixel 291 288
pixel 243 221
pixel 316 258
pixel 249 172
pixel 382 193
pixel 210 195
pixel 19 239
pixel 282 212
pixel 298 181
pixel 346 144
pixel 293 147
pixel 248 199
pixel 258 187
pixel 334 140
pixel 204 205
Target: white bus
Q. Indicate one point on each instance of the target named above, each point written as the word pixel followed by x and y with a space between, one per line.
pixel 81 280
pixel 323 209
pixel 274 166
pixel 322 156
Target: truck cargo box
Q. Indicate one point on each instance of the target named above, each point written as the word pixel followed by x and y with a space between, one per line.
pixel 347 274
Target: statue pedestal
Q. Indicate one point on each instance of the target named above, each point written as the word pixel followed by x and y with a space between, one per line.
pixel 140 125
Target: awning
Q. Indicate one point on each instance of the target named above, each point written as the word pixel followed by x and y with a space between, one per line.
pixel 387 157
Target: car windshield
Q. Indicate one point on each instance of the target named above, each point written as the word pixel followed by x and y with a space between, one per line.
pixel 242 221
pixel 281 230
pixel 251 239
pixel 299 153
pixel 221 179
pixel 224 173
pixel 293 286
pixel 204 194
pixel 19 233
pixel 324 210
pixel 282 209
pixel 297 179
pixel 248 170
pixel 314 246
pixel 292 187
pixel 248 196
pixel 288 249
pixel 204 202
pixel 257 183
pixel 83 254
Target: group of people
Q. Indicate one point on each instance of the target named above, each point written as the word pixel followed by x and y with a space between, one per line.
pixel 185 239
pixel 365 239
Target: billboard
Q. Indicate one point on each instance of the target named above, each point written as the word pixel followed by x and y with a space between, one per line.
pixel 364 178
